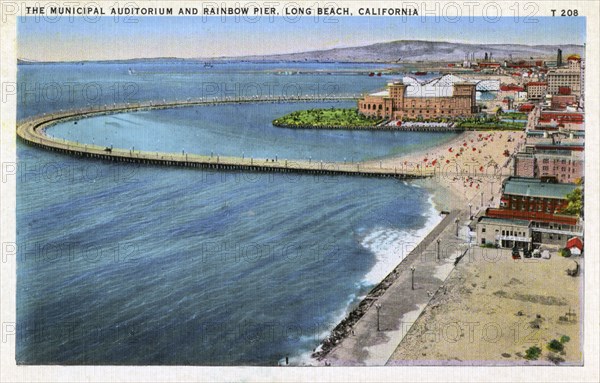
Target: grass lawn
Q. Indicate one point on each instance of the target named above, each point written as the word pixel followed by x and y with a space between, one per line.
pixel 491 125
pixel 326 118
pixel 515 115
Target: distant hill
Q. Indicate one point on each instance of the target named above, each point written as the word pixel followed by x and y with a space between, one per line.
pixel 415 50
pixel 393 51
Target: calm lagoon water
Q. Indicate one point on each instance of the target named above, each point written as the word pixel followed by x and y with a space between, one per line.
pixel 236 130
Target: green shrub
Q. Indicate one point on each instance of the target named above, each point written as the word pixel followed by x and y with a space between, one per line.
pixel 533 353
pixel 564 339
pixel 555 345
pixel 565 252
pixel 489 245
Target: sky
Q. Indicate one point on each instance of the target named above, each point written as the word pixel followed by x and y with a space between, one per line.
pixel 73 39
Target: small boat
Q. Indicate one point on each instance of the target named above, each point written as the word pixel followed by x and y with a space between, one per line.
pixel 372 74
pixel 420 73
pixel 208 65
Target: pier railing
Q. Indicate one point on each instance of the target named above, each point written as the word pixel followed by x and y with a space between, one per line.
pixel 33 131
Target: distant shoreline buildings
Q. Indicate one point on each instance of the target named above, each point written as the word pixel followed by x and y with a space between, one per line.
pixel 538 206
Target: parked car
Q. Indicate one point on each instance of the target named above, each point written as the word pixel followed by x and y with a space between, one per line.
pixel 537 253
pixel 546 254
pixel 515 253
pixel 527 253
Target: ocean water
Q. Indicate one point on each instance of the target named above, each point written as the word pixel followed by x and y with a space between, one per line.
pixel 128 264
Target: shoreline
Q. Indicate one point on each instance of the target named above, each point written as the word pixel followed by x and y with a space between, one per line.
pixel 353 341
pixel 345 326
pixel 373 128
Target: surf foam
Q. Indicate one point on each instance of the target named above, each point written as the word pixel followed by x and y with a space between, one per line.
pixel 391 245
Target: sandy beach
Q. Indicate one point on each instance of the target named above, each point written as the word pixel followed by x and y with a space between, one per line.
pixel 472 163
pixel 494 308
pixel 485 307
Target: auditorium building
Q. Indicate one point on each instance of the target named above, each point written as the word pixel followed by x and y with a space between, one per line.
pixel 447 96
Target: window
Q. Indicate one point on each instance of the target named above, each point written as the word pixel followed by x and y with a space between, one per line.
pixel 483 229
pixel 483 241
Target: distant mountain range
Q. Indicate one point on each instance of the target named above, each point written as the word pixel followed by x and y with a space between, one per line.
pixel 416 50
pixel 397 51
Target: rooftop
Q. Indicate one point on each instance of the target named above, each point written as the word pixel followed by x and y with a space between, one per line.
pixel 383 93
pixel 505 221
pixel 534 187
pixel 438 87
pixel 535 216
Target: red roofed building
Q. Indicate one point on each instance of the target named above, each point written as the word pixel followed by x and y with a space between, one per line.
pixel 561 102
pixel 536 90
pixel 543 228
pixel 492 65
pixel 564 90
pixel 526 108
pixel 575 244
pixel 568 120
pixel 511 88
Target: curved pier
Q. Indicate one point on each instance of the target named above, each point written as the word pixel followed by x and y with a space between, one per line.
pixel 32 131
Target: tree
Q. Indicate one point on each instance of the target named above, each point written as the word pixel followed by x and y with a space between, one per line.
pixel 533 353
pixel 575 205
pixel 555 345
